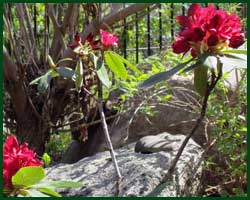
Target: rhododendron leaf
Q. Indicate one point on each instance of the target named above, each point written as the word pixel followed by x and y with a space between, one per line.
pixel 58 184
pixel 63 60
pixel 200 79
pixel 125 61
pixel 43 82
pixel 49 192
pixel 116 65
pixel 236 56
pixel 46 159
pixel 65 72
pixel 236 51
pixel 51 62
pixel 64 184
pixel 211 62
pixel 231 62
pixel 102 72
pixel 198 63
pixel 35 193
pixel 191 67
pixel 27 176
pixel 79 75
pixel 162 76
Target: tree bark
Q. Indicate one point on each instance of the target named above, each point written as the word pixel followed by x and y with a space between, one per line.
pixel 28 125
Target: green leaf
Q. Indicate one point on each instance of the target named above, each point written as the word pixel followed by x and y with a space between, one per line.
pixel 65 72
pixel 125 61
pixel 58 184
pixel 211 62
pixel 54 73
pixel 46 159
pixel 102 72
pixel 191 67
pixel 116 64
pixel 63 60
pixel 232 61
pixel 235 51
pixel 200 79
pixel 79 75
pixel 49 192
pixel 65 184
pixel 236 56
pixel 35 193
pixel 157 191
pixel 199 62
pixel 43 82
pixel 27 176
pixel 51 62
pixel 23 192
pixel 162 76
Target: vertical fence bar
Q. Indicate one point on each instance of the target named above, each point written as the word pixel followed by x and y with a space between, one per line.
pixel 35 21
pixel 160 28
pixel 172 20
pixel 148 28
pixel 124 36
pixel 183 9
pixel 136 38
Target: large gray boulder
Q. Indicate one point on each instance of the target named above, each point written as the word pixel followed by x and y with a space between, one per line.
pixel 141 172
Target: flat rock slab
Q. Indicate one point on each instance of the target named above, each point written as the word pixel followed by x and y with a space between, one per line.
pixel 141 172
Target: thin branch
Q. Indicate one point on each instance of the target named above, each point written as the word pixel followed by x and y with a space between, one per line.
pixel 112 19
pixel 31 33
pixel 106 134
pixel 20 16
pixel 209 89
pixel 11 38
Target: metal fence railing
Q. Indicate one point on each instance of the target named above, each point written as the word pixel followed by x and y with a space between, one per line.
pixel 159 28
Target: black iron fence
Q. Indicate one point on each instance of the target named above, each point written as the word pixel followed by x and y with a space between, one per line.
pixel 158 27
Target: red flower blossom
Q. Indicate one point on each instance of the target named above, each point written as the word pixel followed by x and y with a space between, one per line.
pixel 16 157
pixel 93 43
pixel 207 29
pixel 77 40
pixel 108 39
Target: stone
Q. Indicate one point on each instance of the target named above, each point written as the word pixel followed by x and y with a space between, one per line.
pixel 177 115
pixel 141 172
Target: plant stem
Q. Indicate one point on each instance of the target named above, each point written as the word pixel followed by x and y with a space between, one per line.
pixel 106 134
pixel 210 87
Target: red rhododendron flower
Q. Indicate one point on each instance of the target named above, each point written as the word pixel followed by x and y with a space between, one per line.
pixel 108 39
pixel 77 40
pixel 207 29
pixel 16 157
pixel 93 43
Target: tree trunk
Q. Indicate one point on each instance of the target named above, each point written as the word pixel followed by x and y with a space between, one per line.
pixel 28 124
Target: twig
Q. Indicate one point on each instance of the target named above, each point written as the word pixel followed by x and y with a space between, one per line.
pixel 209 89
pixel 106 134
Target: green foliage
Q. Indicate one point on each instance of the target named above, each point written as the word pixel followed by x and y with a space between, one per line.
pixel 28 176
pixel 79 75
pixel 200 79
pixel 162 76
pixel 58 144
pixel 27 182
pixel 230 130
pixel 101 71
pixel 116 64
pixel 46 159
